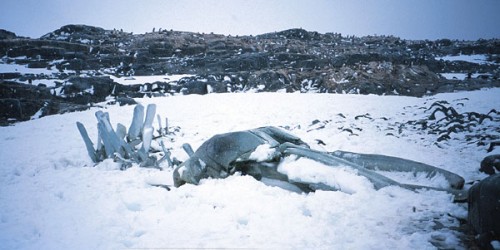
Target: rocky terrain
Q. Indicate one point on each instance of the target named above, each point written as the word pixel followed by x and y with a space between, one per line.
pixel 77 66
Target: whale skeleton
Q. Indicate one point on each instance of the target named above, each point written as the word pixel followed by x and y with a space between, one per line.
pixel 227 153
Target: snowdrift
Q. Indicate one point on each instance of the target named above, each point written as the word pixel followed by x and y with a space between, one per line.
pixel 53 197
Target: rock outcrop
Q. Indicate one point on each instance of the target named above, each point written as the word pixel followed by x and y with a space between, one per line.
pixel 80 57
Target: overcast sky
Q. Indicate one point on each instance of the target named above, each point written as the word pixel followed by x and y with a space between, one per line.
pixel 409 19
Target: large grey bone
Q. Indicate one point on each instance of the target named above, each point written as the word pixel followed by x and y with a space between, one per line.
pixel 137 122
pixel 390 163
pixel 120 145
pixel 218 156
pixel 378 180
pixel 112 142
pixel 88 143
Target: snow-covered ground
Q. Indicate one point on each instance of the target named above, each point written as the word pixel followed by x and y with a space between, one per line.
pixel 51 75
pixel 148 79
pixel 52 196
pixel 459 76
pixel 23 69
pixel 477 58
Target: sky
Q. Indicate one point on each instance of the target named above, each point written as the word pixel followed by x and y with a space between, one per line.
pixel 408 19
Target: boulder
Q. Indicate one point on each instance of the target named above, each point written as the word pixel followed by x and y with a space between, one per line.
pixel 490 164
pixel 194 87
pixel 88 89
pixel 16 90
pixel 484 210
pixel 11 108
pixel 125 101
pixel 217 87
pixel 273 81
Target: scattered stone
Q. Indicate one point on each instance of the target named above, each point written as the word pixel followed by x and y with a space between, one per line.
pixel 448 124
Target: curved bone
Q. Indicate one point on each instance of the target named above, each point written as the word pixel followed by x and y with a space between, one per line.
pixel 389 163
pixel 278 135
pixel 214 158
pixel 378 180
pixel 223 150
pixel 189 150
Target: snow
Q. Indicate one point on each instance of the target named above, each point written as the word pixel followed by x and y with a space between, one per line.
pixel 456 76
pixel 52 196
pixel 39 113
pixel 52 81
pixel 126 80
pixel 23 69
pixel 48 82
pixel 133 80
pixel 343 178
pixel 477 58
pixel 263 152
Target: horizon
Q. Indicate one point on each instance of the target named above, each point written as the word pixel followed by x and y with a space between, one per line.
pixel 277 31
pixel 406 19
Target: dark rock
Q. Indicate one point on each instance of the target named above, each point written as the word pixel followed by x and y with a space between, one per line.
pixel 272 81
pixel 75 33
pixel 490 164
pixel 5 34
pixel 194 87
pixel 299 34
pixel 9 75
pixel 292 60
pixel 85 90
pixel 60 107
pixel 125 101
pixel 492 146
pixel 132 91
pixel 162 87
pixel 244 62
pixel 161 50
pixel 21 101
pixel 484 210
pixel 38 64
pixel 217 87
pixel 23 91
pixel 193 49
pixel 11 108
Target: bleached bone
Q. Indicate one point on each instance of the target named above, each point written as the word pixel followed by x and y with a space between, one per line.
pixel 150 115
pixel 88 143
pixel 390 163
pixel 189 150
pixel 166 156
pixel 378 180
pixel 108 146
pixel 159 125
pixel 137 122
pixel 121 131
pixel 120 145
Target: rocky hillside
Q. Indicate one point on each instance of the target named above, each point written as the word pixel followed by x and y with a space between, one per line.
pixel 73 66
